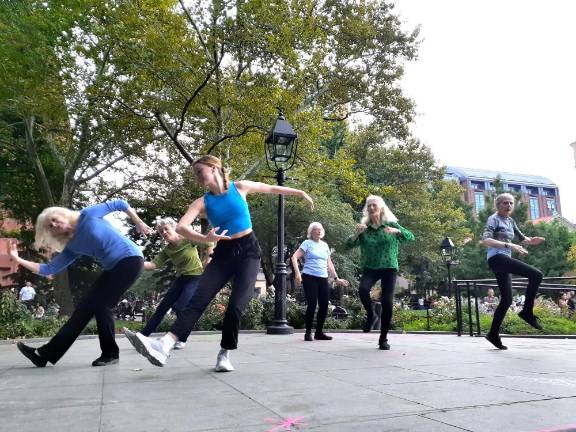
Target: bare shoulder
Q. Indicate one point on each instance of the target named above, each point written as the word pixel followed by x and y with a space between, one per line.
pixel 248 186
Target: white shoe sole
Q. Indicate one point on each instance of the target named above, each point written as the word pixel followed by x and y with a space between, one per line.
pixel 143 348
pixel 223 369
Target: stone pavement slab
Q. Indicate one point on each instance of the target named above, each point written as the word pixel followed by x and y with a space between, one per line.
pixel 425 383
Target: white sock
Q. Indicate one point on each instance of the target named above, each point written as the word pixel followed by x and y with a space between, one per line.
pixel 168 342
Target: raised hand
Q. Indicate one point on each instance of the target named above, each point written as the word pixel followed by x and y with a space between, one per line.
pixel 211 236
pixel 143 229
pixel 14 250
pixel 360 228
pixel 309 199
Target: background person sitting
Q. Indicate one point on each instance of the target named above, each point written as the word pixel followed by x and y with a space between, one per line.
pixel 490 301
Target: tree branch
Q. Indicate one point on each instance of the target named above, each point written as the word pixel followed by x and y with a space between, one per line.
pixel 228 136
pixel 100 170
pixel 193 23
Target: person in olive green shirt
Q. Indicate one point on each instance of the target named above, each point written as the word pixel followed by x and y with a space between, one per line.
pixel 378 236
pixel 184 256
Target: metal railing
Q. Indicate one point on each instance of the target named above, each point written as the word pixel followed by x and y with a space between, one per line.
pixel 472 285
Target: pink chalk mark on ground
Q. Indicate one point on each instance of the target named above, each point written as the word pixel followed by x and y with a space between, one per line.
pixel 565 428
pixel 286 424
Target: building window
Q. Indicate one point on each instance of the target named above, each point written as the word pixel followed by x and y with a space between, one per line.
pixel 534 210
pixel 548 192
pixel 476 185
pixel 551 204
pixel 479 201
pixel 514 188
pixel 532 190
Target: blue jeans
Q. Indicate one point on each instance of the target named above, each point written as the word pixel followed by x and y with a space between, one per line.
pixel 177 298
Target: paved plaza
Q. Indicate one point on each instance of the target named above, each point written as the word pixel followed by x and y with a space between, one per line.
pixel 425 383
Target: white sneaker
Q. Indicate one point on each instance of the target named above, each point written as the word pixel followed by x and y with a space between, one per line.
pixel 179 345
pixel 150 348
pixel 223 362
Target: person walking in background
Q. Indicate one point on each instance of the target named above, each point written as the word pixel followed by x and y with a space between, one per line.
pixel 183 254
pixel 236 258
pixel 27 294
pixel 498 234
pixel 314 278
pixel 86 233
pixel 378 235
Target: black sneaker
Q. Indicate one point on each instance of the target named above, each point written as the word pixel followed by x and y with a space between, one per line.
pixel 322 336
pixel 308 337
pixel 32 354
pixel 105 361
pixel 383 344
pixel 495 340
pixel 531 319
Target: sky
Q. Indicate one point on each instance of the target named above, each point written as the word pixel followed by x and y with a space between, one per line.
pixel 495 85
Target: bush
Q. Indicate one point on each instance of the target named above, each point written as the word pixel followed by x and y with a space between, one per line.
pixel 11 309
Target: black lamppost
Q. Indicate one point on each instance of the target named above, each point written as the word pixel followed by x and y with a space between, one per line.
pixel 280 147
pixel 449 255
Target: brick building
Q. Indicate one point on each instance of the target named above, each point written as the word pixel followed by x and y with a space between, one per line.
pixel 540 194
pixel 7 266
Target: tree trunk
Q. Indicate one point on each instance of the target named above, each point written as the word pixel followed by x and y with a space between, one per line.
pixel 62 293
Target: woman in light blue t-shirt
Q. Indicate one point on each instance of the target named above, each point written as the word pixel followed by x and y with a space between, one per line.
pixel 314 278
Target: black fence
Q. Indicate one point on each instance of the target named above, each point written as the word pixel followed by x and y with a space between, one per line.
pixel 470 288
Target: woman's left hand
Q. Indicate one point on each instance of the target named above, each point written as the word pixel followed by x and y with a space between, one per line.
pixel 342 282
pixel 391 230
pixel 143 229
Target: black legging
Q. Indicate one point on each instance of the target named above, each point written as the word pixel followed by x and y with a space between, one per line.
pixel 98 303
pixel 316 290
pixel 504 267
pixel 387 279
pixel 237 260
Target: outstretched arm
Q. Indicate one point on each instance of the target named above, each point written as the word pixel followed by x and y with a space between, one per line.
pixel 246 187
pixel 185 230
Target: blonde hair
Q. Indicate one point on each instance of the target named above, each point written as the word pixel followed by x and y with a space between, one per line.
pixel 502 197
pixel 386 214
pixel 45 238
pixel 213 161
pixel 315 225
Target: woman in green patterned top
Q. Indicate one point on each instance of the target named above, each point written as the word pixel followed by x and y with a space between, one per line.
pixel 378 235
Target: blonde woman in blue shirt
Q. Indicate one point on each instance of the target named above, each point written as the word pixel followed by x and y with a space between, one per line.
pixel 314 278
pixel 86 233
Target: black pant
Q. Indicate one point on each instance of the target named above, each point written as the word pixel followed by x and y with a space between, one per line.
pixel 504 267
pixel 177 298
pixel 387 278
pixel 237 260
pixel 98 302
pixel 316 290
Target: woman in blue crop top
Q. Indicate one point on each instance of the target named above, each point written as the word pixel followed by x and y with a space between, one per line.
pixel 236 258
pixel 498 234
pixel 73 234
